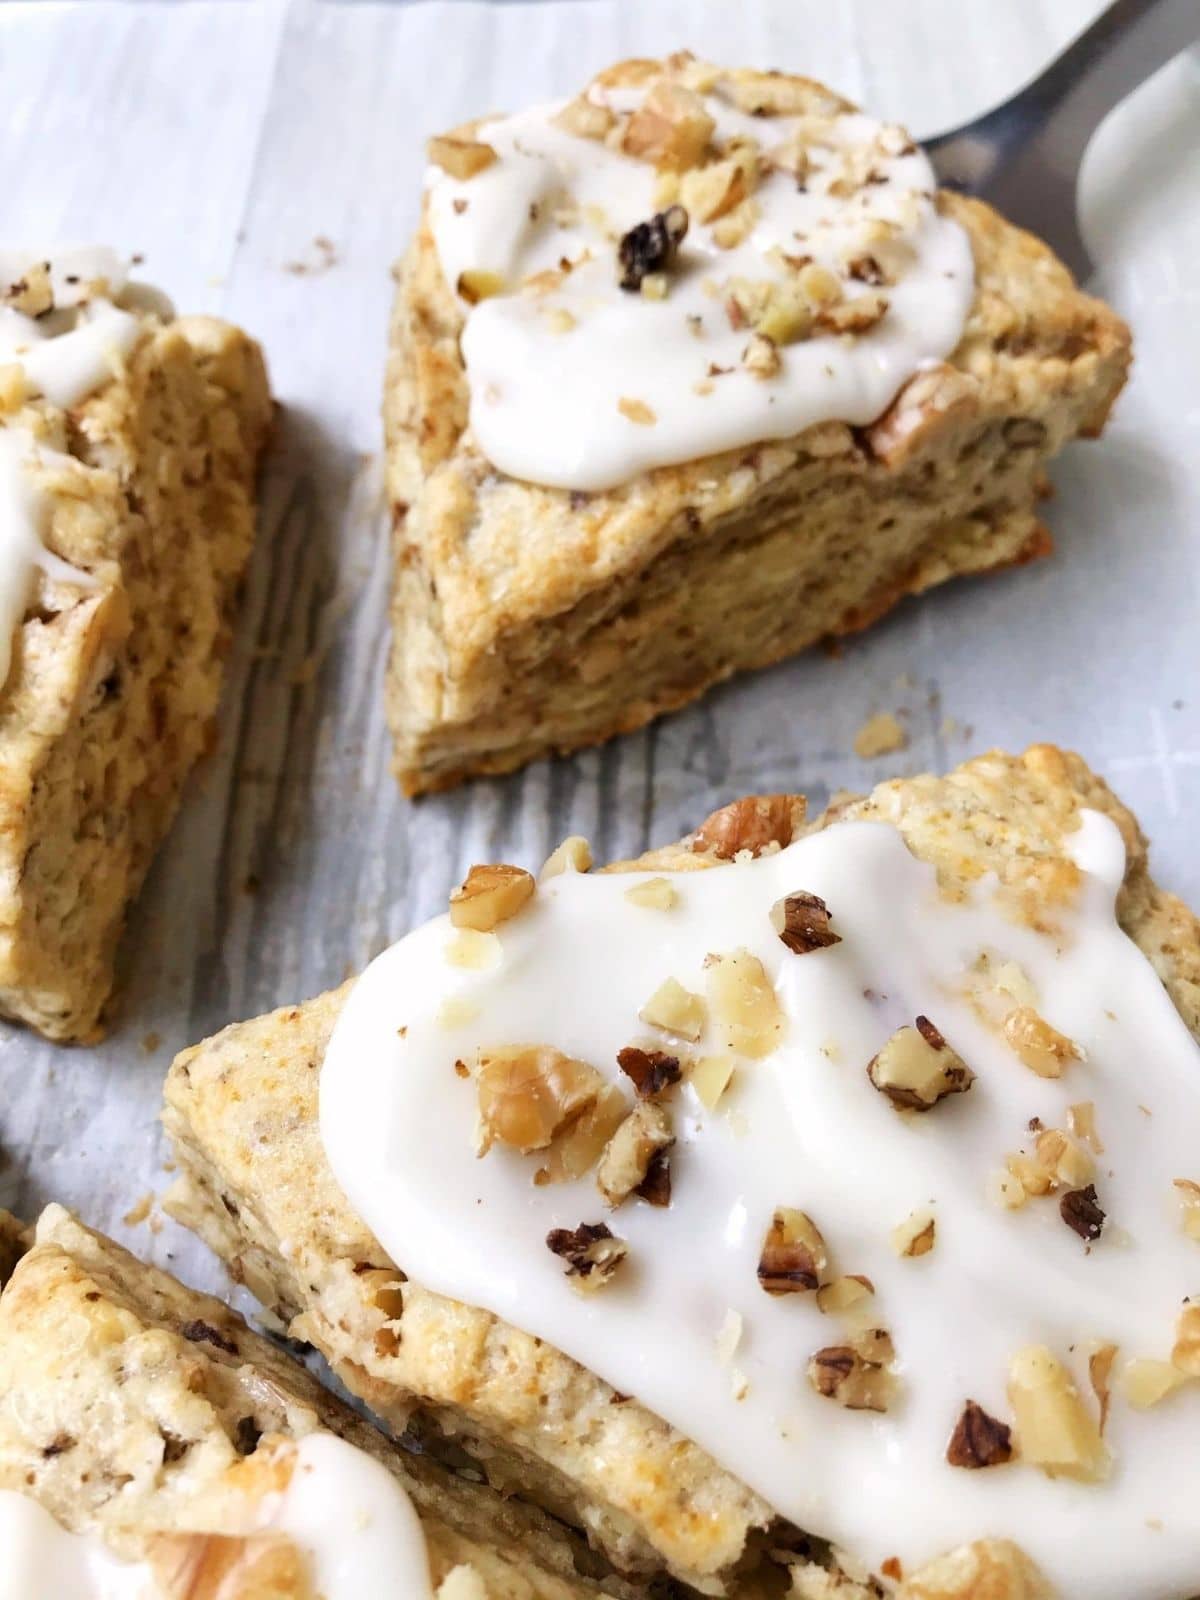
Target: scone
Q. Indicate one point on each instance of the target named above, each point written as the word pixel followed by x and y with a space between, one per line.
pixel 818 1193
pixel 129 442
pixel 147 1433
pixel 687 374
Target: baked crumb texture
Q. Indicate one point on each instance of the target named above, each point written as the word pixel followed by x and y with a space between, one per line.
pixel 111 700
pixel 128 1401
pixel 241 1111
pixel 530 620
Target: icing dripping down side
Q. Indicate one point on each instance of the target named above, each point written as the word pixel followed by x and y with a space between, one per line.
pixel 804 1126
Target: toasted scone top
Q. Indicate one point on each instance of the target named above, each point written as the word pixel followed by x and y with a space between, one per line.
pixel 685 260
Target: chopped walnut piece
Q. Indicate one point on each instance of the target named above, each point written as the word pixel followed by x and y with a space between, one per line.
pixel 1081 1123
pixel 576 1150
pixel 1057 1162
pixel 574 854
pixel 853 316
pixel 33 293
pixel 714 191
pixel 710 1077
pixel 675 1009
pixel 1082 1213
pixel 586 119
pixel 636 411
pixel 736 226
pixel 802 921
pixel 1054 1429
pixel 489 896
pixel 916 1068
pixel 211 1566
pixel 1185 1352
pixel 658 894
pixel 793 1256
pixel 1189 1204
pixel 842 1295
pixel 761 357
pixel 1100 1365
pixel 758 823
pixel 529 1093
pixel 591 1251
pixel 652 1072
pixel 866 269
pixel 1042 1048
pixel 670 128
pixel 979 1440
pixel 627 1157
pixel 858 1381
pixel 777 310
pixel 743 1004
pixel 1145 1382
pixel 459 157
pixel 474 286
pixel 915 1236
pixel 729 1336
pixel 651 247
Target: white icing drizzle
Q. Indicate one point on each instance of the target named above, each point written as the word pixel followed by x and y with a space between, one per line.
pixel 346 1511
pixel 72 350
pixel 24 508
pixel 544 403
pixel 804 1127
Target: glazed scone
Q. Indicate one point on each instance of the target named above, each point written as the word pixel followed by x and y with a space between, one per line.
pixel 856 1101
pixel 129 445
pixel 150 1421
pixel 686 376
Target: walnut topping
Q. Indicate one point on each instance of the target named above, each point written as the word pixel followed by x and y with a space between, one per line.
pixel 915 1236
pixel 710 1077
pixel 802 921
pixel 916 1068
pixel 779 310
pixel 1185 1352
pixel 474 286
pixel 1100 1365
pixel 576 1150
pixel 1189 1204
pixel 712 192
pixel 490 896
pixel 651 247
pixel 761 357
pixel 1042 1048
pixel 651 1071
pixel 1054 1429
pixel 675 1009
pixel 1082 1213
pixel 1081 1124
pixel 759 823
pixel 979 1440
pixel 210 1566
pixel 1144 1382
pixel 1057 1162
pixel 459 157
pixel 33 293
pixel 866 269
pixel 670 128
pixel 743 1004
pixel 592 1252
pixel 529 1093
pixel 853 316
pixel 658 894
pixel 629 1154
pixel 586 119
pixel 793 1257
pixel 638 411
pixel 574 854
pixel 845 1295
pixel 855 1375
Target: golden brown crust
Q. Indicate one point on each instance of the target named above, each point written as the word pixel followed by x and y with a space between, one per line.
pixel 128 1402
pixel 113 691
pixel 528 619
pixel 241 1110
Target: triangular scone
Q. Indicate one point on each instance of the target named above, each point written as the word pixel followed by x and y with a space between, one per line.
pixel 140 1411
pixel 241 1110
pixel 530 619
pixel 138 478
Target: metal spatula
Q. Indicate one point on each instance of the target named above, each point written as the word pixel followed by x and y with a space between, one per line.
pixel 1024 156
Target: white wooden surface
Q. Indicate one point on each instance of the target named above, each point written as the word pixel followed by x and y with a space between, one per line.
pixel 221 139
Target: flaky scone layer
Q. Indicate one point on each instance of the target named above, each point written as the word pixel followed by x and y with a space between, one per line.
pixel 242 1112
pixel 113 690
pixel 134 1406
pixel 527 619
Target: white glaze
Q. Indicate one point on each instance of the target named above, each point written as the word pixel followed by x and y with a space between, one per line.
pixel 805 1128
pixel 80 344
pixel 24 508
pixel 544 403
pixel 346 1511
